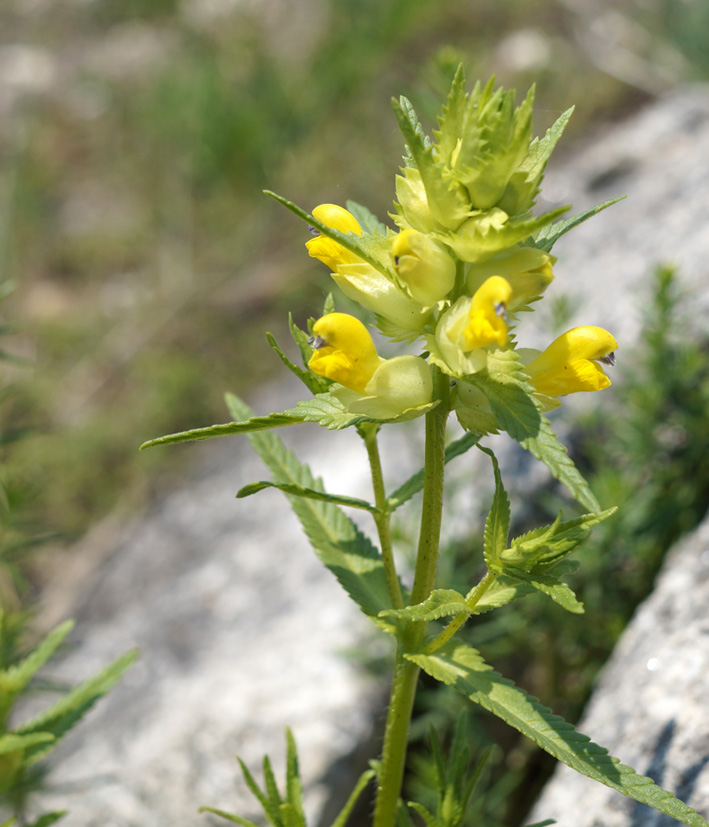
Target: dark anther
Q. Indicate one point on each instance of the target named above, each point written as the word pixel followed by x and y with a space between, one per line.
pixel 500 309
pixel 317 342
pixel 396 261
pixel 609 360
pixel 313 230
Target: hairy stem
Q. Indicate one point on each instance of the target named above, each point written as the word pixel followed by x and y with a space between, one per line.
pixel 405 678
pixel 383 518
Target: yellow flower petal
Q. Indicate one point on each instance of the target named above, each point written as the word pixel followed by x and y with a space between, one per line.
pixel 486 324
pixel 325 249
pixel 571 363
pixel 344 351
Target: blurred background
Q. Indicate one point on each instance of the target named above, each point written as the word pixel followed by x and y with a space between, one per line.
pixel 141 261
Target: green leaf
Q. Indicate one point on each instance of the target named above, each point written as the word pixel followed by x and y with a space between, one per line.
pixel 337 541
pixel 415 483
pixel 294 787
pixel 70 708
pixel 450 121
pixel 447 200
pixel 297 491
pixel 549 543
pixel 360 786
pixel 366 219
pixel 12 743
pixel 269 807
pixel 462 667
pixel 523 186
pixel 512 401
pixel 14 680
pixel 545 239
pixel 553 587
pixel 497 524
pixel 504 589
pixel 440 603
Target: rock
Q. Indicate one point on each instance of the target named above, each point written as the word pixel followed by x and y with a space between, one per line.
pixel 650 705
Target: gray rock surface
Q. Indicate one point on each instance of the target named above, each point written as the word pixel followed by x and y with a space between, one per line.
pixel 211 589
pixel 650 706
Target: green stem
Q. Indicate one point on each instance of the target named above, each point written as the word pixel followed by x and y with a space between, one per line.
pixel 471 601
pixel 382 519
pixel 403 689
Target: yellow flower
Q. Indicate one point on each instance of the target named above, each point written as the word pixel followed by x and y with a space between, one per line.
pixel 325 249
pixel 469 326
pixel 486 323
pixel 571 363
pixel 424 265
pixel 344 351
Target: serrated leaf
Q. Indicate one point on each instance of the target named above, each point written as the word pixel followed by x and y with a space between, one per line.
pixel 297 491
pixel 503 590
pixel 523 186
pixel 512 401
pixel 440 603
pixel 551 542
pixel 14 679
pixel 462 667
pixel 415 483
pixel 366 219
pixel 360 786
pixel 450 121
pixel 447 200
pixel 336 540
pixel 59 718
pixel 559 592
pixel 497 524
pixel 545 239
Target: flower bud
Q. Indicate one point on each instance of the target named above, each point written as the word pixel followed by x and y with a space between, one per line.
pixel 424 265
pixel 571 363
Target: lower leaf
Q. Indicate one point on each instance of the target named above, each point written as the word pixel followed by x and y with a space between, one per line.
pixel 463 667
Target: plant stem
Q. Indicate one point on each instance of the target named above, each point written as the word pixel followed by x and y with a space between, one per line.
pixel 403 688
pixel 383 518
